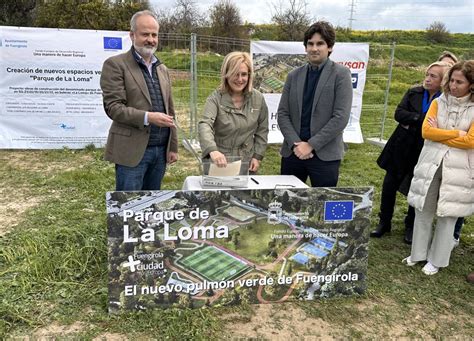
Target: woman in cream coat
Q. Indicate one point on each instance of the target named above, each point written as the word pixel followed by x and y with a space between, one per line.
pixel 443 182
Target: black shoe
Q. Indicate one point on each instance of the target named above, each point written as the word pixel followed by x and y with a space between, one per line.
pixel 408 235
pixel 379 231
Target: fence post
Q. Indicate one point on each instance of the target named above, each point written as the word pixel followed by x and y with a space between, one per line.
pixel 194 89
pixel 387 90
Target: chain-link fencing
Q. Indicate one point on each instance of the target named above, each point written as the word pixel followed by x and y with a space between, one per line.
pixel 195 61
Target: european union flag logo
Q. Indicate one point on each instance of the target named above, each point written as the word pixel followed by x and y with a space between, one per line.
pixel 338 210
pixel 355 80
pixel 112 43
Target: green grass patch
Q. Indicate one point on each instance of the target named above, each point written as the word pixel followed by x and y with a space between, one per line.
pixel 53 248
pixel 214 264
pixel 53 263
pixel 253 241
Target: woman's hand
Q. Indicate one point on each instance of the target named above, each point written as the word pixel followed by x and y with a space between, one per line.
pixel 462 133
pixel 218 159
pixel 254 165
pixel 433 122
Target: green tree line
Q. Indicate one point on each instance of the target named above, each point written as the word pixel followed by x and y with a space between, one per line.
pixel 288 22
pixel 80 14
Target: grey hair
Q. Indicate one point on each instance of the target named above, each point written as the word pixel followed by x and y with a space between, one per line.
pixel 133 21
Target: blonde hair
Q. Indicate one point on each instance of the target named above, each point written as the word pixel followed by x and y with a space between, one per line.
pixel 230 67
pixel 442 74
pixel 450 55
pixel 444 67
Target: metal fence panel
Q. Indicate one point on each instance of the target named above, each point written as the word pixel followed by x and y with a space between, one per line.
pixel 195 61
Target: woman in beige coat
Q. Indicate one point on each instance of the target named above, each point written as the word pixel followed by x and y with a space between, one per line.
pixel 235 116
pixel 443 181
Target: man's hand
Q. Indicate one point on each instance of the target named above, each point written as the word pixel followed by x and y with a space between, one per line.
pixel 160 119
pixel 254 165
pixel 218 158
pixel 303 150
pixel 462 133
pixel 172 157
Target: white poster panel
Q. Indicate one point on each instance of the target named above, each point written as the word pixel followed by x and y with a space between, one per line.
pixel 273 60
pixel 50 86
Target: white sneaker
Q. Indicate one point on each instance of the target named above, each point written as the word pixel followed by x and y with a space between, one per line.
pixel 408 261
pixel 456 242
pixel 429 269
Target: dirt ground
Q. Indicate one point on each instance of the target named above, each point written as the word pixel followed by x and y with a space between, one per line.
pixel 11 210
pixel 12 207
pixel 290 322
pixel 269 322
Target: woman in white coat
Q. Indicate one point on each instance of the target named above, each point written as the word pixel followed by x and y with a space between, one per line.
pixel 443 181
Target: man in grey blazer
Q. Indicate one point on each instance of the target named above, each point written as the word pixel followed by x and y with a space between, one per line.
pixel 136 91
pixel 314 109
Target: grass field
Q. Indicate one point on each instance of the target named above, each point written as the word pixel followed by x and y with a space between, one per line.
pixel 53 253
pixel 238 213
pixel 214 264
pixel 275 84
pixel 53 264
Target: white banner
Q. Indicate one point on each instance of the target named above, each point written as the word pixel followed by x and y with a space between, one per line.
pixel 273 60
pixel 50 94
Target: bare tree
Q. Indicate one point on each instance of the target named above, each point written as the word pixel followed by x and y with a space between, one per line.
pixel 292 19
pixel 184 18
pixel 226 20
pixel 437 32
pixel 187 16
pixel 165 19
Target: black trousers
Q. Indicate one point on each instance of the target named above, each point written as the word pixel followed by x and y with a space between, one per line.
pixel 321 173
pixel 387 203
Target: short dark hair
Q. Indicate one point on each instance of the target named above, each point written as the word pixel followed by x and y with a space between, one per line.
pixel 326 31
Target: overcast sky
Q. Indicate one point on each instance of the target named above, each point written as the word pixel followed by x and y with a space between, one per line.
pixel 457 15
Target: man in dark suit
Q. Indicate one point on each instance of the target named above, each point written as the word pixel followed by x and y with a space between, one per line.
pixel 314 110
pixel 136 90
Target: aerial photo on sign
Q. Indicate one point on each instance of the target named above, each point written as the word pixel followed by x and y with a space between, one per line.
pixel 191 249
pixel 271 70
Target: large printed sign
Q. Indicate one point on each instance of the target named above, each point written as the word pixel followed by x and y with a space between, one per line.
pixel 190 249
pixel 273 60
pixel 50 95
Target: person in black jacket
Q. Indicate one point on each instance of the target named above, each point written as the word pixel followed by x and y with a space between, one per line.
pixel 401 152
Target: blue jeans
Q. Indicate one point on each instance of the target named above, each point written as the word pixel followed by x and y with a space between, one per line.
pixel 147 175
pixel 321 173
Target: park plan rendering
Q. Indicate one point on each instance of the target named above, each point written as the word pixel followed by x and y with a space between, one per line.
pixel 208 248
